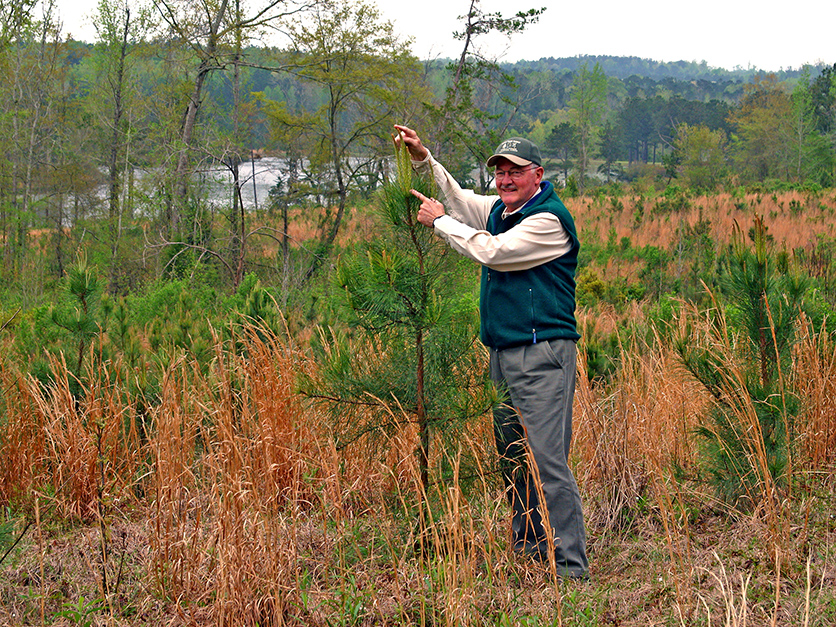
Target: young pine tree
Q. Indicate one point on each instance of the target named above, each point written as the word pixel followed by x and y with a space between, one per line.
pixel 409 355
pixel 744 361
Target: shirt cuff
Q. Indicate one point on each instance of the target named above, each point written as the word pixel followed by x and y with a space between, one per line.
pixel 440 218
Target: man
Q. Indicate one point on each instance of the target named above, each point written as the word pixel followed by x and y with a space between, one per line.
pixel 528 248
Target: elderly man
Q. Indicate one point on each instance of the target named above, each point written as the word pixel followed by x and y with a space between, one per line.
pixel 526 242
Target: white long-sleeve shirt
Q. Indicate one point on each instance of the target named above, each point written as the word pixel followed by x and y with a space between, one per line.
pixel 535 240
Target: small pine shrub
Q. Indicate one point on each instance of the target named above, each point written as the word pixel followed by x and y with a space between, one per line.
pixel 741 354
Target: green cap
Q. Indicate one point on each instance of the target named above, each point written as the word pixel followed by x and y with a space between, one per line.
pixel 517 150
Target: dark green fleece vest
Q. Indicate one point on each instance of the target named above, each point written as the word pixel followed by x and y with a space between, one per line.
pixel 535 305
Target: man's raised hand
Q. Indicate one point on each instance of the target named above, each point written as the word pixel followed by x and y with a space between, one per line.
pixel 410 139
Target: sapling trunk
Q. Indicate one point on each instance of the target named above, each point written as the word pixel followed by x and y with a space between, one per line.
pixel 420 411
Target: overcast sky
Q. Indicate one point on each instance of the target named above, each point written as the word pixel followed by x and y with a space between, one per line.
pixel 724 33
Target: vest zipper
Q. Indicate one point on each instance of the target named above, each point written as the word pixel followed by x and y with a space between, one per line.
pixel 533 328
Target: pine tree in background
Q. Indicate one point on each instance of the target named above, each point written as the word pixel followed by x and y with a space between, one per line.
pixel 742 356
pixel 411 355
pixel 80 318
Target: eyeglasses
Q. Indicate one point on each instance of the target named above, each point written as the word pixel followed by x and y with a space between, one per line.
pixel 515 174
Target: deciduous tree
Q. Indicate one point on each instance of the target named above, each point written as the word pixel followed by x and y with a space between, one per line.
pixel 111 101
pixel 15 15
pixel 701 153
pixel 763 124
pixel 563 142
pixel 587 103
pixel 38 123
pixel 814 113
pixel 209 28
pixel 608 149
pixel 365 77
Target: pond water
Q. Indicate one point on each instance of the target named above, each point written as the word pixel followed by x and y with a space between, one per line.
pixel 257 177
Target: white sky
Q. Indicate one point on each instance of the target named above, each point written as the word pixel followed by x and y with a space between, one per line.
pixel 768 35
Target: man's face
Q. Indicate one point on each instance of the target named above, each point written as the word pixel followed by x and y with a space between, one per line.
pixel 516 184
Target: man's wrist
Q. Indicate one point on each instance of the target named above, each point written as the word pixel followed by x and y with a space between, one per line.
pixel 416 161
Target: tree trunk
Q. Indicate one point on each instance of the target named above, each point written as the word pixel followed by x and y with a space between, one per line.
pixel 421 413
pixel 114 170
pixel 237 214
pixel 342 189
pixel 182 172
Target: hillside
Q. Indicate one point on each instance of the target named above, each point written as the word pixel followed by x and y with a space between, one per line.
pixel 624 67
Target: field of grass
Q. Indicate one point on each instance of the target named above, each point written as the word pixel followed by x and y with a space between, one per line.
pixel 225 501
pixel 795 219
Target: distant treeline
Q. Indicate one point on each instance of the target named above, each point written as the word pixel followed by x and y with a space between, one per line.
pixel 625 67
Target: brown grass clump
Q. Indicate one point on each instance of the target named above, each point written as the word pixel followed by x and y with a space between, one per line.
pixel 629 439
pixel 21 441
pixel 231 461
pixel 83 446
pixel 815 380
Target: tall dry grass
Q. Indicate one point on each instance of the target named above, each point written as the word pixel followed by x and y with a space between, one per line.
pixel 635 449
pixel 21 441
pixel 85 447
pixel 232 460
pixel 642 423
pixel 814 370
pixel 631 437
pixel 249 515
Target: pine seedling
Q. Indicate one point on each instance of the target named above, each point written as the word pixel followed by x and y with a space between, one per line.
pixel 410 357
pixel 743 363
pixel 81 285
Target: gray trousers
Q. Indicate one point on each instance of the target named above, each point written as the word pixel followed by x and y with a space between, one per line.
pixel 538 382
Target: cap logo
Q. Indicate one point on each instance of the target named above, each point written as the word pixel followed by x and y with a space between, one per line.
pixel 509 145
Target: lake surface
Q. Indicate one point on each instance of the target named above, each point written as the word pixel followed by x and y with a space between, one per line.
pixel 257 179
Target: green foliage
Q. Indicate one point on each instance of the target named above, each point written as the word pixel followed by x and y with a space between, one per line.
pixel 673 200
pixel 814 159
pixel 586 106
pixel 671 162
pixel 571 189
pixel 69 327
pixel 562 142
pixel 7 530
pixel 663 312
pixel 654 275
pixel 78 317
pixel 259 305
pixel 589 287
pixel 600 350
pixel 14 17
pixel 695 259
pixel 160 299
pixel 701 153
pixel 83 613
pixel 763 130
pixel 742 361
pixel 361 74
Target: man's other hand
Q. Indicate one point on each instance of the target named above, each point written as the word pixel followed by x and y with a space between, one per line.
pixel 429 210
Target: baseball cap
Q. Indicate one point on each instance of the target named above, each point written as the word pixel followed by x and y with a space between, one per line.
pixel 517 150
